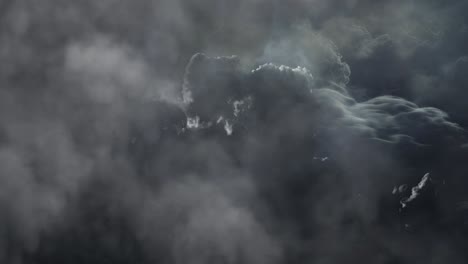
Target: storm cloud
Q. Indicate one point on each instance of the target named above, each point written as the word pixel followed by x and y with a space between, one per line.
pixel 249 131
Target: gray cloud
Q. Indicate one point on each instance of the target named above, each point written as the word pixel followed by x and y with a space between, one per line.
pixel 118 144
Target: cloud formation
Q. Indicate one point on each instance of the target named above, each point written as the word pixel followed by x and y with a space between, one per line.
pixel 249 131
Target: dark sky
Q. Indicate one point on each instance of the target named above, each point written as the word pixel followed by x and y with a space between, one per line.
pixel 235 132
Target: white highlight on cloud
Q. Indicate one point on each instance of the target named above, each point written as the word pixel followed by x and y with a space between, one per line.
pixel 415 191
pixel 228 127
pixel 193 122
pixel 284 68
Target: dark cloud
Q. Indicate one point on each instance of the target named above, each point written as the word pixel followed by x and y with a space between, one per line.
pixel 291 121
pixel 286 138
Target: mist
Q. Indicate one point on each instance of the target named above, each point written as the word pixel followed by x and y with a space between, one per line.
pixel 251 131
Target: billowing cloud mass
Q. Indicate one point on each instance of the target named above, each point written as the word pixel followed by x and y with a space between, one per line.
pixel 251 131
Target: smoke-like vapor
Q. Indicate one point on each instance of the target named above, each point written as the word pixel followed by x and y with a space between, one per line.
pixel 251 131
